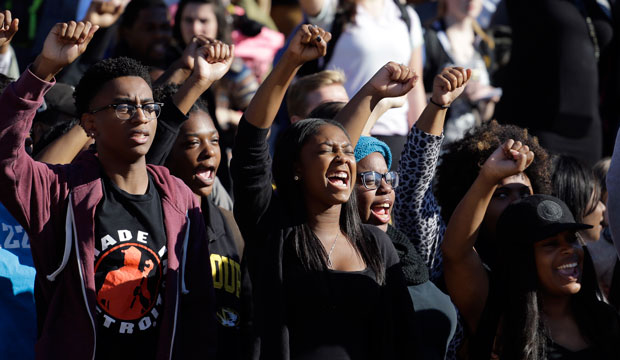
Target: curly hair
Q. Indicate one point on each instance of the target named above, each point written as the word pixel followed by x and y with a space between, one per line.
pixel 463 159
pixel 100 73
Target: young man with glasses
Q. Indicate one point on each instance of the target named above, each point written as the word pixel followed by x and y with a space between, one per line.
pixel 119 246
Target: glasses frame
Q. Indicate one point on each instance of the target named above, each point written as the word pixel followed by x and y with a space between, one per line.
pixel 383 176
pixel 136 106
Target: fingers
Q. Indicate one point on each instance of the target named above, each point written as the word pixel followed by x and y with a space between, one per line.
pixel 313 35
pixel 216 51
pixel 400 73
pixel 68 36
pixel 7 20
pixel 454 77
pixel 75 32
pixel 8 25
pixel 518 152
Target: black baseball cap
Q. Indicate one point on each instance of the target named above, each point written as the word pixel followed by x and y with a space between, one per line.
pixel 537 217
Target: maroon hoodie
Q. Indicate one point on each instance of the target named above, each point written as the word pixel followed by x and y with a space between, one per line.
pixel 62 239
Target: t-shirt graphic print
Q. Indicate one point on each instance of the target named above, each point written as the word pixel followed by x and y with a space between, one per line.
pixel 130 264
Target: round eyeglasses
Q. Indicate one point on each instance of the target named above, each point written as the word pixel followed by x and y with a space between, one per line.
pixel 128 111
pixel 372 179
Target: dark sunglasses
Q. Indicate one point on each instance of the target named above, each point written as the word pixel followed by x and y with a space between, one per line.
pixel 372 179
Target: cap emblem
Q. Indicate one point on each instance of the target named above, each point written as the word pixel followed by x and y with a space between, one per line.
pixel 549 210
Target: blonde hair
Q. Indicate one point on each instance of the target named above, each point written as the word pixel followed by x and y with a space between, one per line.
pixel 296 97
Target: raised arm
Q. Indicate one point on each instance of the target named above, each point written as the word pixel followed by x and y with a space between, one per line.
pixel 392 80
pixel 207 61
pixel 211 62
pixel 24 181
pixel 65 148
pixel 251 164
pixel 416 211
pixel 466 278
pixel 309 43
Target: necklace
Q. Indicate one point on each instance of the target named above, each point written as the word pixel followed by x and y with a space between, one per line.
pixel 329 256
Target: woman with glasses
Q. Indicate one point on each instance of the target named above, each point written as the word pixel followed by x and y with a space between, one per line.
pixel 325 286
pixel 435 314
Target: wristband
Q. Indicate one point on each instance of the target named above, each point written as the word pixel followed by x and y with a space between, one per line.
pixel 438 105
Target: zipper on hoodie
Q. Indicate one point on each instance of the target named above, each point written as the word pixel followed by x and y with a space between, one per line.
pixel 179 282
pixel 79 264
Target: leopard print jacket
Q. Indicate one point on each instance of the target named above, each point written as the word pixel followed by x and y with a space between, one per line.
pixel 416 212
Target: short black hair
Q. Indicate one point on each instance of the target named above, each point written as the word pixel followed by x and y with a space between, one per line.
pixel 100 73
pixel 133 10
pixel 463 160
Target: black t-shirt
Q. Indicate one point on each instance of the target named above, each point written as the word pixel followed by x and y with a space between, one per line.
pixel 130 263
pixel 227 282
pixel 331 314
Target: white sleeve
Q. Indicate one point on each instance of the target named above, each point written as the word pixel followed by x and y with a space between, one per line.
pixel 5 62
pixel 415 32
pixel 326 16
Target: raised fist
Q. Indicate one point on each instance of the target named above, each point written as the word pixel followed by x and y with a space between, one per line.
pixel 212 61
pixel 67 41
pixel 449 84
pixel 393 80
pixel 511 158
pixel 309 43
pixel 105 13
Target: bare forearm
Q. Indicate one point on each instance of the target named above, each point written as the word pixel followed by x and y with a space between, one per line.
pixel 189 92
pixel 417 103
pixel 64 149
pixel 432 119
pixel 44 69
pixel 264 106
pixel 175 74
pixel 466 219
pixel 355 116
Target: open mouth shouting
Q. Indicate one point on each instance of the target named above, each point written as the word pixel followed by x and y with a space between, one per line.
pixel 339 179
pixel 381 211
pixel 569 270
pixel 205 175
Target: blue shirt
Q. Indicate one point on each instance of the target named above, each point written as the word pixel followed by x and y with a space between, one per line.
pixel 18 328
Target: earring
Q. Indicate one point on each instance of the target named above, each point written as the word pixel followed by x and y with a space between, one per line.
pixel 296 178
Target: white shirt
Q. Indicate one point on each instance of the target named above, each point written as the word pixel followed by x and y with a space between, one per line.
pixel 368 44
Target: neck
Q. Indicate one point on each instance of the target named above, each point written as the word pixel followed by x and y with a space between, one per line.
pixel 555 307
pixel 324 222
pixel 129 177
pixel 383 227
pixel 455 23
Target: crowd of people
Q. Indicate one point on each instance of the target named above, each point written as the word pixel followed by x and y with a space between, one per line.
pixel 382 180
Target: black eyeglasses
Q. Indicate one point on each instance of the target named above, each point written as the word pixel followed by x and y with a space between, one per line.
pixel 127 111
pixel 372 179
